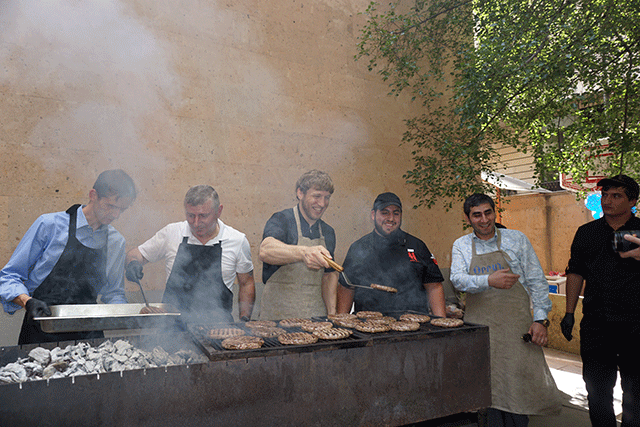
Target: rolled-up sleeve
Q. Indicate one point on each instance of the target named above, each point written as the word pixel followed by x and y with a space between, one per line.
pixel 535 281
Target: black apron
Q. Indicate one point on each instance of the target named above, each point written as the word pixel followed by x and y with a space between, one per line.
pixel 195 286
pixel 75 278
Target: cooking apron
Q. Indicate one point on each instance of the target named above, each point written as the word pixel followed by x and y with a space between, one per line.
pixel 521 382
pixel 75 278
pixel 195 286
pixel 295 290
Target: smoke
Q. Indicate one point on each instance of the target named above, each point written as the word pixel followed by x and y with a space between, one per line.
pixel 101 75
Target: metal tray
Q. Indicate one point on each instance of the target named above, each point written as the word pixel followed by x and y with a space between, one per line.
pixel 100 317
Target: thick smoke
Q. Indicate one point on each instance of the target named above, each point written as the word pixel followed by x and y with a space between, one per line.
pixel 105 73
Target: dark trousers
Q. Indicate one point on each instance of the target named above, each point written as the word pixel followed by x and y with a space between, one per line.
pixel 608 347
pixel 491 417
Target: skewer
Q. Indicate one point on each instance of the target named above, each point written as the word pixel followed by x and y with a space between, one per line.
pixel 340 269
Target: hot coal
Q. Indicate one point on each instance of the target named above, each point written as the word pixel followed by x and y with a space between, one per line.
pixel 83 359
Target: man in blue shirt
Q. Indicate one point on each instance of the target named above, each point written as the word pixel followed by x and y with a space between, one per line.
pixel 69 258
pixel 506 290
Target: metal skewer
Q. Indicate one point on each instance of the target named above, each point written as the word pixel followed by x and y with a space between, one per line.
pixel 340 269
pixel 142 292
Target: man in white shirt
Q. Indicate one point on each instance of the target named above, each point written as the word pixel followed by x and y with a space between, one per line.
pixel 203 256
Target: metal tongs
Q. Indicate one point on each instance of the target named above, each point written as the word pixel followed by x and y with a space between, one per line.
pixel 340 269
pixel 142 292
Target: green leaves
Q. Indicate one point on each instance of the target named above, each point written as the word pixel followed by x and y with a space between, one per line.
pixel 556 79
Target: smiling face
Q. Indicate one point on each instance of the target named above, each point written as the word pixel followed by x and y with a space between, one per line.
pixel 483 220
pixel 313 203
pixel 387 220
pixel 203 220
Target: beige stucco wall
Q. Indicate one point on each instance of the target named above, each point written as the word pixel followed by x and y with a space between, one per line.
pixel 242 95
pixel 550 221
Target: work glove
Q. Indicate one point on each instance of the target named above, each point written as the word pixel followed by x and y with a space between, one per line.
pixel 133 272
pixel 566 325
pixel 37 308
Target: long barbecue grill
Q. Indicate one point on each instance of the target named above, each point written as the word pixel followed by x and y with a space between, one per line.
pixel 391 378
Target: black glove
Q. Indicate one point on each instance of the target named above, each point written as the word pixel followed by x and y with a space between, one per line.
pixel 134 271
pixel 37 308
pixel 566 325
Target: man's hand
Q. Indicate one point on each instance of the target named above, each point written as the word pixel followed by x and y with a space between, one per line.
pixel 313 256
pixel 134 271
pixel 634 253
pixel 566 326
pixel 502 279
pixel 37 308
pixel 538 334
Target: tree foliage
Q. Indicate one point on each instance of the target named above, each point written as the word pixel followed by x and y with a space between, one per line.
pixel 557 79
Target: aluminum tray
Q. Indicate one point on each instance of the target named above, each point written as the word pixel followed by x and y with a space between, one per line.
pixel 100 317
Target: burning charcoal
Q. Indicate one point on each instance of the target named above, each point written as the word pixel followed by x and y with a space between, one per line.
pixel 106 346
pixel 120 357
pixel 48 372
pixel 60 365
pixel 40 355
pixel 57 354
pixel 93 354
pixel 160 356
pixel 122 346
pixel 33 369
pixel 13 372
pixel 77 353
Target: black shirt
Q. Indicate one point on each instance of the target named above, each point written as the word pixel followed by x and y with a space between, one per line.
pixel 612 283
pixel 402 262
pixel 282 226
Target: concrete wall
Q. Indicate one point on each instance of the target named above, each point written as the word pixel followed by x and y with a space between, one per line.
pixel 550 221
pixel 242 95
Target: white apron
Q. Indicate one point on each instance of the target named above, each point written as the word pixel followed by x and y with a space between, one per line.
pixel 521 382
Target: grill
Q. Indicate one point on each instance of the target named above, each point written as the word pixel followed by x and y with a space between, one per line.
pixel 392 378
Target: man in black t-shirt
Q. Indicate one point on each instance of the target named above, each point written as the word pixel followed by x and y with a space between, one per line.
pixel 295 246
pixel 610 325
pixel 391 257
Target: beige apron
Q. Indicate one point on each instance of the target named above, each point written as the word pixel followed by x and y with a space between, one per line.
pixel 294 290
pixel 521 382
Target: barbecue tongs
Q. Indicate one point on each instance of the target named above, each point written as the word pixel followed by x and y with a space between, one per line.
pixel 337 267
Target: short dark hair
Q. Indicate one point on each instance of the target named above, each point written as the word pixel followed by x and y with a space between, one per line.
pixel 315 179
pixel 199 194
pixel 477 199
pixel 115 182
pixel 628 184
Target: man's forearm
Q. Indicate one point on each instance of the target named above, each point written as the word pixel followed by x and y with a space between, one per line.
pixel 345 299
pixel 134 254
pixel 435 292
pixel 275 252
pixel 246 294
pixel 21 300
pixel 330 291
pixel 574 288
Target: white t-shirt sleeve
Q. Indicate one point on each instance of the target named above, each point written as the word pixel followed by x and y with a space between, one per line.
pixel 243 262
pixel 155 248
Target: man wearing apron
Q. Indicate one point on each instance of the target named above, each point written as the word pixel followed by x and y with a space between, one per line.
pixel 203 257
pixel 298 279
pixel 502 278
pixel 69 258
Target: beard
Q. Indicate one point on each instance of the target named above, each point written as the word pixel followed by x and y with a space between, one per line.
pixel 392 237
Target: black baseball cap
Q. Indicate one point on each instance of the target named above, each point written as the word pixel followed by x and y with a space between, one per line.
pixel 386 199
pixel 622 181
